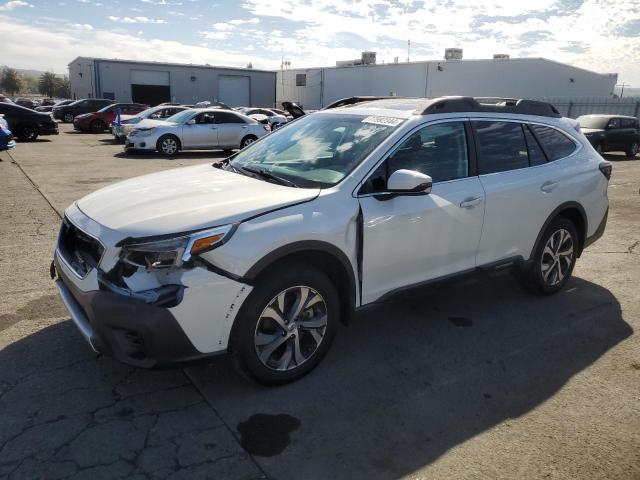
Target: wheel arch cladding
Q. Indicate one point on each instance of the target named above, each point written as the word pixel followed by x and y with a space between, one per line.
pixel 574 212
pixel 321 255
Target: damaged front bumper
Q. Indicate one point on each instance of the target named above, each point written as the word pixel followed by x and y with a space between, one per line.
pixel 161 325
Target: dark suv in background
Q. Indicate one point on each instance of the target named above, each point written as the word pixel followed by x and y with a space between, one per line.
pixel 612 133
pixel 67 113
pixel 27 124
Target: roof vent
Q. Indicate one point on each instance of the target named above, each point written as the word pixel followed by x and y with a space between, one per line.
pixel 453 54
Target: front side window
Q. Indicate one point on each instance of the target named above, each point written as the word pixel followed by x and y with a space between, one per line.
pixel 555 144
pixel 317 150
pixel 613 123
pixel 501 146
pixel 181 117
pixel 205 118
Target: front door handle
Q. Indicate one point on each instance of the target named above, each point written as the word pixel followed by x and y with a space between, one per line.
pixel 470 202
pixel 549 186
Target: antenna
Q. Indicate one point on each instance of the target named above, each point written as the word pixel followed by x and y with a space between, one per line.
pixel 408 51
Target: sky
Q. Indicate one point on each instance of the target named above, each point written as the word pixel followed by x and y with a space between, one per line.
pixel 603 36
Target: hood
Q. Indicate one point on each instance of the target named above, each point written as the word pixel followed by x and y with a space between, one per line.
pixel 591 130
pixel 127 117
pixel 185 199
pixel 84 115
pixel 150 123
pixel 293 109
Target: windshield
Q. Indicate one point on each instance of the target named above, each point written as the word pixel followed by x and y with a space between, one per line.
pixel 593 122
pixel 317 150
pixel 180 117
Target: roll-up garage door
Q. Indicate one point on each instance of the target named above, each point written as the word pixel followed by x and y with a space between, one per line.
pixel 150 87
pixel 234 90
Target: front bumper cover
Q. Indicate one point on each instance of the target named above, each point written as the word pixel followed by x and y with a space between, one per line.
pixel 127 328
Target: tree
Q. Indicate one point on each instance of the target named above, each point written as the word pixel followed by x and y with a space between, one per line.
pixel 63 88
pixel 10 81
pixel 249 65
pixel 47 84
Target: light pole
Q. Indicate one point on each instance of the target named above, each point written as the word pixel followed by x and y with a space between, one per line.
pixel 623 84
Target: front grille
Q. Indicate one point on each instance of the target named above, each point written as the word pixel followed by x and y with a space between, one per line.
pixel 78 249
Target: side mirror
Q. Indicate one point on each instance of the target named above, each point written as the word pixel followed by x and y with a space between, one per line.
pixel 191 122
pixel 409 181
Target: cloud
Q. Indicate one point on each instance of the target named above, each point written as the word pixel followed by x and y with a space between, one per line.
pixel 7 7
pixel 81 26
pixel 136 20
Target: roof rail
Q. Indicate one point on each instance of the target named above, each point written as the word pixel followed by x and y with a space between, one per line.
pixel 488 104
pixel 353 100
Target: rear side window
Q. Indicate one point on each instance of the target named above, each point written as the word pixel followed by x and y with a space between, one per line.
pixel 555 144
pixel 629 123
pixel 501 146
pixel 226 117
pixel 536 155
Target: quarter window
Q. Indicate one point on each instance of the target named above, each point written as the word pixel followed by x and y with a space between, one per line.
pixel 501 146
pixel 555 144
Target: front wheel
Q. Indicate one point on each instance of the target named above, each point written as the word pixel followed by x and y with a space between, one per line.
pixel 246 141
pixel 28 133
pixel 633 149
pixel 168 145
pixel 98 126
pixel 553 260
pixel 286 325
pixel 68 117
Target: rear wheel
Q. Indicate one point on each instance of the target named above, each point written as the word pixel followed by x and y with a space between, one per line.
pixel 248 140
pixel 286 325
pixel 68 117
pixel 168 145
pixel 554 259
pixel 98 126
pixel 633 149
pixel 28 133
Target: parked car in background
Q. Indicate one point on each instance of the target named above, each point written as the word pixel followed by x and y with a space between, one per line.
pixel 99 121
pixel 5 99
pixel 25 102
pixel 195 129
pixel 213 104
pixel 48 102
pixel 49 108
pixel 6 137
pixel 612 133
pixel 263 119
pixel 67 113
pixel 275 119
pixel 128 122
pixel 28 124
pixel 263 255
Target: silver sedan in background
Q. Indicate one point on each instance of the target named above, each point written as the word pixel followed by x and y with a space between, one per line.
pixel 196 129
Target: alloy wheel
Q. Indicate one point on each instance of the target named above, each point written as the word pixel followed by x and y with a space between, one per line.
pixel 247 142
pixel 634 149
pixel 291 328
pixel 29 133
pixel 68 117
pixel 557 257
pixel 169 146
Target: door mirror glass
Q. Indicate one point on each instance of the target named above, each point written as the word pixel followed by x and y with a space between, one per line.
pixel 409 181
pixel 191 122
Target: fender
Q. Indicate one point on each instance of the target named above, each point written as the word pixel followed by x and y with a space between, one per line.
pixel 558 210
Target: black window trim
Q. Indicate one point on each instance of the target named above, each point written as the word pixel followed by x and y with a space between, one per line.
pixel 527 127
pixel 471 154
pixel 528 122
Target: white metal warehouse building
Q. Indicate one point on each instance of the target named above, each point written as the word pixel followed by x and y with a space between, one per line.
pixel 516 77
pixel 153 83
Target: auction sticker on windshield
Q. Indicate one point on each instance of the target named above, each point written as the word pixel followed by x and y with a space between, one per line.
pixel 388 121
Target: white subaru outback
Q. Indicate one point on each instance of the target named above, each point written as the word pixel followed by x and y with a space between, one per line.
pixel 263 254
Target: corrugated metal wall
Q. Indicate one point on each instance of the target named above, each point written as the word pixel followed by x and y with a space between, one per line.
pixel 574 107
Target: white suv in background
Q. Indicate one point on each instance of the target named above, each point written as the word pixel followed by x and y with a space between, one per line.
pixel 264 254
pixel 195 129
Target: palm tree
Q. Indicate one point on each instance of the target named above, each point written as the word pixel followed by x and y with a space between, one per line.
pixel 10 81
pixel 47 84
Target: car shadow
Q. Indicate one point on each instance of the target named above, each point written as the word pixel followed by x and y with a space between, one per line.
pixel 618 157
pixel 144 155
pixel 37 140
pixel 413 378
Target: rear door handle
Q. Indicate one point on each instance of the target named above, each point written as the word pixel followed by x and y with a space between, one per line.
pixel 470 202
pixel 549 186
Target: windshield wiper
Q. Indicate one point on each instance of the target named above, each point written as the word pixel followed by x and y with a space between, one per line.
pixel 266 174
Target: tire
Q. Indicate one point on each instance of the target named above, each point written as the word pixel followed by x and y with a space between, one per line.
pixel 168 145
pixel 553 260
pixel 268 341
pixel 98 126
pixel 68 117
pixel 633 150
pixel 248 140
pixel 28 133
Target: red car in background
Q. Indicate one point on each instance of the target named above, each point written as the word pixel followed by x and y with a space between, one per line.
pixel 99 121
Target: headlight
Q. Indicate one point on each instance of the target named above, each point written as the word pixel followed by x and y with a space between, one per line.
pixel 173 252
